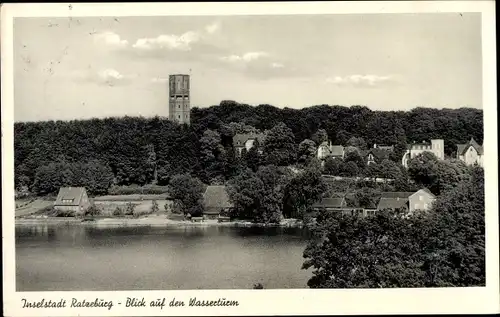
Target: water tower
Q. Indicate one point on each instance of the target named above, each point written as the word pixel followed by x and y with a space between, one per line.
pixel 179 106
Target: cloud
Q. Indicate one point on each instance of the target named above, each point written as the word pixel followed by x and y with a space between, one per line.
pixel 247 57
pixel 182 42
pixel 110 74
pixel 277 65
pixel 193 45
pixel 110 39
pixel 108 77
pixel 212 28
pixel 360 80
pixel 159 80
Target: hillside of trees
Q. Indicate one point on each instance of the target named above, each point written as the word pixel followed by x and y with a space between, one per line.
pixel 443 247
pixel 99 153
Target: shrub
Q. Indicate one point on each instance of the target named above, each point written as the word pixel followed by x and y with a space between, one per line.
pixel 258 286
pixel 129 210
pixel 154 207
pixel 167 207
pixel 93 210
pixel 118 211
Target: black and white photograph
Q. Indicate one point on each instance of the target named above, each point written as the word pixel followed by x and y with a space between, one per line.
pixel 252 152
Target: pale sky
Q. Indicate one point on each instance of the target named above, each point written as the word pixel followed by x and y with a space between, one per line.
pixel 100 67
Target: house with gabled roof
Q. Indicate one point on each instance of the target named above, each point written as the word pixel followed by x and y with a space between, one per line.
pixel 376 155
pixel 326 149
pixel 247 141
pixel 216 201
pixel 331 203
pixel 72 199
pixel 407 201
pixel 470 153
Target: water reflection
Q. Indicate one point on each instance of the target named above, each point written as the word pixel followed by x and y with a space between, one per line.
pixel 85 257
pixel 87 232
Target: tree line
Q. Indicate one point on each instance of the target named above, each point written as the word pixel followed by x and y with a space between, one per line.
pixel 136 150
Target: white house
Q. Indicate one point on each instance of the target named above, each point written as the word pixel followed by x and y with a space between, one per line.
pixel 470 153
pixel 436 147
pixel 326 149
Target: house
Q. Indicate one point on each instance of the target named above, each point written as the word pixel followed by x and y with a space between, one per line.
pixel 326 149
pixel 407 201
pixel 216 201
pixel 376 155
pixel 337 202
pixel 470 153
pixel 72 199
pixel 247 141
pixel 389 148
pixel 436 147
pixel 330 203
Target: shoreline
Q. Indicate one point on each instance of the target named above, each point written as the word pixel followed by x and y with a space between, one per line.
pixel 156 221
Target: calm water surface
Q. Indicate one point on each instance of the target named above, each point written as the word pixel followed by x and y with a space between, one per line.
pixel 84 258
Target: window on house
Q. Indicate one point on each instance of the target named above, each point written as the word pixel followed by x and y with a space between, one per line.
pixel 420 197
pixel 178 106
pixel 67 200
pixel 425 206
pixel 417 206
pixel 178 116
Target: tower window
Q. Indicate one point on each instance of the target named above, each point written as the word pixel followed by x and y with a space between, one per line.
pixel 178 116
pixel 178 106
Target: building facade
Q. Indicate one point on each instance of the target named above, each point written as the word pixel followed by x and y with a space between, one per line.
pixel 72 199
pixel 436 147
pixel 407 201
pixel 326 149
pixel 377 154
pixel 247 141
pixel 179 98
pixel 470 153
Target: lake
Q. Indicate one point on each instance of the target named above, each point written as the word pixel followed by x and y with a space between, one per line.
pixel 85 258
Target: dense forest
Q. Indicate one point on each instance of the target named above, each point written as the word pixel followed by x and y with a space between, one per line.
pixel 99 153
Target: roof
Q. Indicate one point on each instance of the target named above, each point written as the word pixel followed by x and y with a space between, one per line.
pixel 379 154
pixel 384 147
pixel 337 202
pixel 240 139
pixel 462 148
pixel 396 194
pixel 337 150
pixel 74 194
pixel 333 150
pixel 426 191
pixel 391 203
pixel 216 197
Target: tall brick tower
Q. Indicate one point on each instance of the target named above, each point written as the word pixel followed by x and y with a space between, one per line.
pixel 179 108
